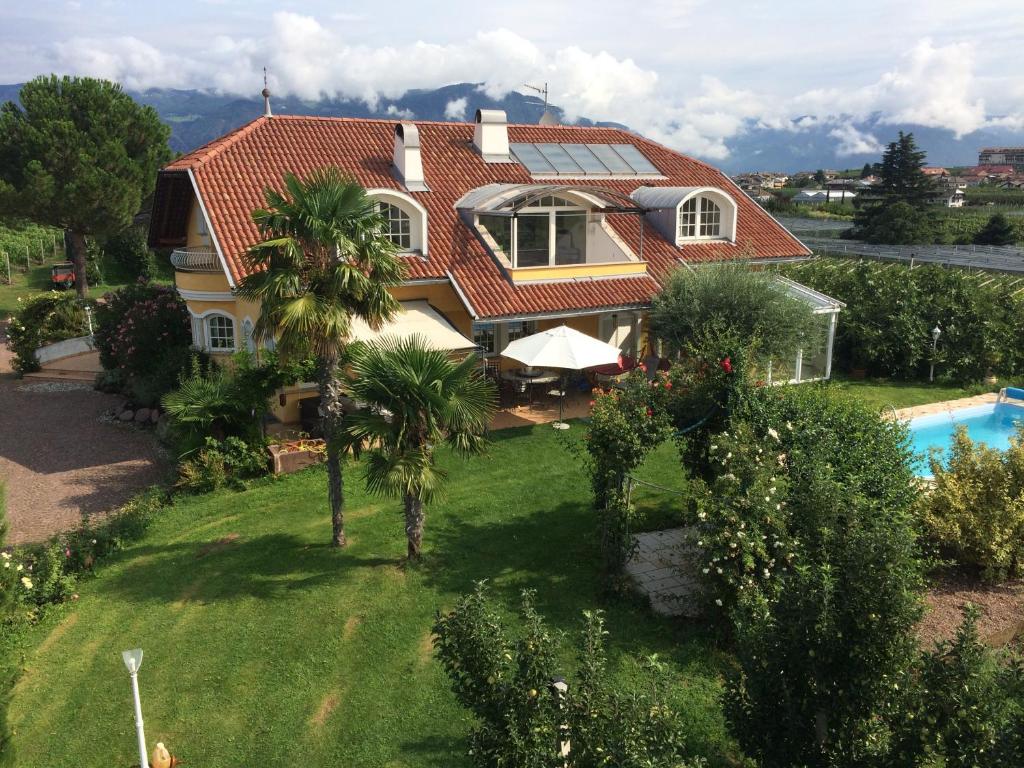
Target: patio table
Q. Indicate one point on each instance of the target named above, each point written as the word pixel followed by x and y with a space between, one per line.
pixel 531 377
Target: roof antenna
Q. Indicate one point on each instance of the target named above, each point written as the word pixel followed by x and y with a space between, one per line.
pixel 548 116
pixel 266 95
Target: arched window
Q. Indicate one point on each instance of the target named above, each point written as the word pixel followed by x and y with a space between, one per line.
pixel 220 333
pixel 398 225
pixel 700 217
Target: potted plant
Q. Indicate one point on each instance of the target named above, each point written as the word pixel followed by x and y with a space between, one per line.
pixel 297 453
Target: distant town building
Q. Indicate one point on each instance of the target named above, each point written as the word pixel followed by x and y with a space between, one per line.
pixel 1012 156
pixel 822 196
pixel 934 171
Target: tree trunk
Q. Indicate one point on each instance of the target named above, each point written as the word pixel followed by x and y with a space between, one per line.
pixel 332 415
pixel 414 520
pixel 78 259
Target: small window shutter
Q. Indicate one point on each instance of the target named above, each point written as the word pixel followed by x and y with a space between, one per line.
pixel 247 330
pixel 197 332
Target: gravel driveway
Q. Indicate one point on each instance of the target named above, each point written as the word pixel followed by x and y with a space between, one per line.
pixel 60 460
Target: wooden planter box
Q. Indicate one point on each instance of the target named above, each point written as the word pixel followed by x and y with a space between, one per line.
pixel 294 455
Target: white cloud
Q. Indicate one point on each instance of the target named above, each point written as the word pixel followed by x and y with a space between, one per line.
pixel 855 142
pixel 456 109
pixel 932 85
pixel 401 114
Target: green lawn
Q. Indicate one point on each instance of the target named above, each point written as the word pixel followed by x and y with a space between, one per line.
pixel 264 646
pixel 900 394
pixel 37 279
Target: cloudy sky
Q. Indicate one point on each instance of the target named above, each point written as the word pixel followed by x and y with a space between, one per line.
pixel 690 73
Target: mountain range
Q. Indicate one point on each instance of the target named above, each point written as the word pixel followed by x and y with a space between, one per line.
pixel 196 117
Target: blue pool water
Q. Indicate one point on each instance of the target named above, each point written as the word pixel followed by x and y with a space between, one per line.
pixel 989 424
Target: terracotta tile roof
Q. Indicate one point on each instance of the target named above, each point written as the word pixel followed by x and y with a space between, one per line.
pixel 232 172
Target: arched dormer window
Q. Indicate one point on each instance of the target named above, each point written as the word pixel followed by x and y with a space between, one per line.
pixel 405 219
pixel 398 225
pixel 686 214
pixel 700 217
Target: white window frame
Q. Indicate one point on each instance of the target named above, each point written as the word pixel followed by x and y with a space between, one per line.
pixel 725 215
pixel 201 336
pixel 412 208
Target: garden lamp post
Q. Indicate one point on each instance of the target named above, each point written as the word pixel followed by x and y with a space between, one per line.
pixel 88 317
pixel 133 660
pixel 936 332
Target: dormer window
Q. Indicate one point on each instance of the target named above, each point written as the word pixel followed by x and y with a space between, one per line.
pixel 699 217
pixel 405 220
pixel 686 214
pixel 399 225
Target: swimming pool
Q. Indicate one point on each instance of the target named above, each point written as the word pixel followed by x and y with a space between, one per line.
pixel 990 424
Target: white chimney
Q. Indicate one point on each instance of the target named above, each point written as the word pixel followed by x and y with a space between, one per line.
pixel 407 159
pixel 490 137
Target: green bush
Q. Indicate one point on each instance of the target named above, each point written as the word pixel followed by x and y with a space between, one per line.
pixel 891 310
pixel 520 719
pixel 965 708
pixel 698 308
pixel 47 572
pixel 975 512
pixel 825 573
pixel 43 319
pixel 219 463
pixel 130 251
pixel 144 331
pixel 745 525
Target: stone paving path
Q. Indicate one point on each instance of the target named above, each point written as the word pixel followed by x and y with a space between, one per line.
pixel 59 458
pixel 664 568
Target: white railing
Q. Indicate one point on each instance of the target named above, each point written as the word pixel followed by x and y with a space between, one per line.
pixel 197 259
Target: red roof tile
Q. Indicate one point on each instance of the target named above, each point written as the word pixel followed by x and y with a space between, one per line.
pixel 232 172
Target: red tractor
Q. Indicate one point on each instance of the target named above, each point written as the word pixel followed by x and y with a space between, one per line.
pixel 62 276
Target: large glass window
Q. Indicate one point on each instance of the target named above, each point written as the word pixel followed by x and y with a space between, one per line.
pixel 499 228
pixel 484 336
pixel 517 329
pixel 533 240
pixel 220 333
pixel 398 225
pixel 570 237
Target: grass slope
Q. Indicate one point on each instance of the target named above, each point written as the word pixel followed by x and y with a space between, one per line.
pixel 904 394
pixel 264 646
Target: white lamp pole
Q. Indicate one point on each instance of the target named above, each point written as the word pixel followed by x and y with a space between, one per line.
pixel 133 660
pixel 936 331
pixel 88 317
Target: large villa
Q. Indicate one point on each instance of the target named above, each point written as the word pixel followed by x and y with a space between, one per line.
pixel 507 229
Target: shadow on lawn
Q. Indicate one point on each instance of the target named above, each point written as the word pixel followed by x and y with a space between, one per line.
pixel 268 567
pixel 555 553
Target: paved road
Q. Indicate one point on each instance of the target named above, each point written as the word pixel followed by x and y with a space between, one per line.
pixel 59 460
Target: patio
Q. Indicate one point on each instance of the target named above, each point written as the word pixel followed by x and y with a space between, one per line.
pixel 543 410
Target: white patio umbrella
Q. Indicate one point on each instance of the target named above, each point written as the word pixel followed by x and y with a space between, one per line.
pixel 561 347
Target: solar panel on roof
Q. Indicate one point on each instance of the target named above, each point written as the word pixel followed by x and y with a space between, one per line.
pixel 585 159
pixel 550 159
pixel 530 156
pixel 611 159
pixel 635 158
pixel 559 158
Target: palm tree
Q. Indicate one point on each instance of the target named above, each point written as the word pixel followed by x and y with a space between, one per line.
pixel 324 260
pixel 415 397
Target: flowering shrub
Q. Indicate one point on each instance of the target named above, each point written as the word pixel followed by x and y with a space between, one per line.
pixel 744 519
pixel 43 574
pixel 975 513
pixel 43 319
pixel 222 462
pixel 523 720
pixel 143 332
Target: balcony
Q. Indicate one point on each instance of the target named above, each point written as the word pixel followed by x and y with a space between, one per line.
pixel 196 259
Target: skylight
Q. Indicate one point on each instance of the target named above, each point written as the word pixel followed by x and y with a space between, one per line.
pixel 576 160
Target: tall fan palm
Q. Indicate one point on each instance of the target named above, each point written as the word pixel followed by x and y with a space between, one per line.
pixel 324 259
pixel 416 398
